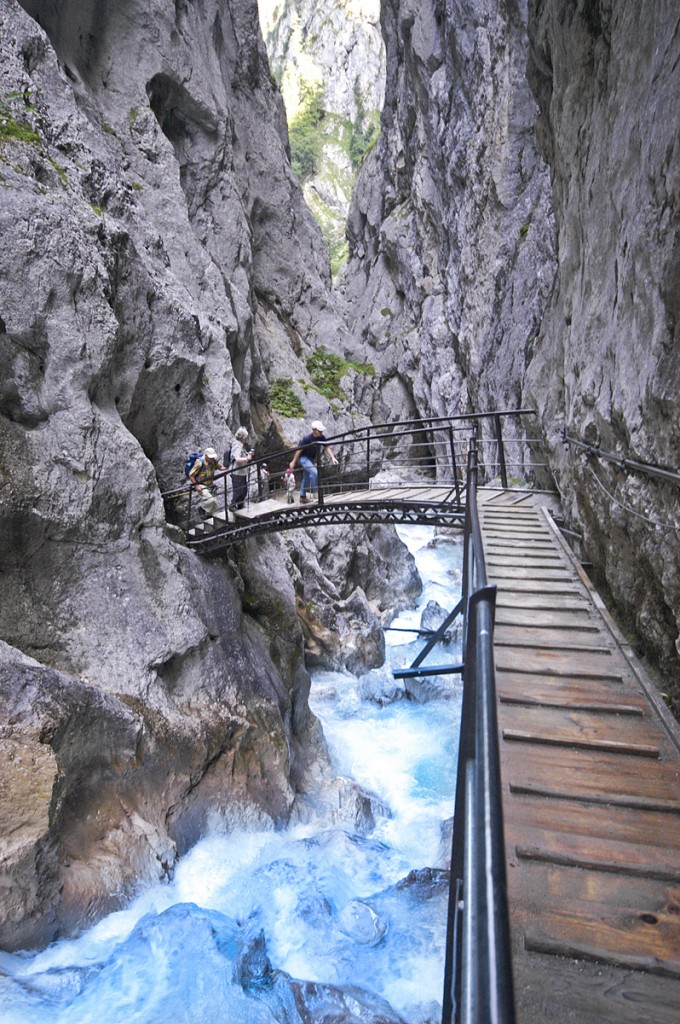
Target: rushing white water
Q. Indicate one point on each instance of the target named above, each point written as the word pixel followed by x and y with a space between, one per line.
pixel 324 904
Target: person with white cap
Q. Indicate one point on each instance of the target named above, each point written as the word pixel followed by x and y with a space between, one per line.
pixel 201 476
pixel 307 454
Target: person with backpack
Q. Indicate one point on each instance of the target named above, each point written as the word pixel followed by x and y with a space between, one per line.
pixel 307 454
pixel 201 476
pixel 240 460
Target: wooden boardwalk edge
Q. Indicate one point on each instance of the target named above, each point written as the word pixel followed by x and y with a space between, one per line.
pixel 590 764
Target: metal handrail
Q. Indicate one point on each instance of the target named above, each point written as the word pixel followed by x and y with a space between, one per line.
pixel 622 461
pixel 478 985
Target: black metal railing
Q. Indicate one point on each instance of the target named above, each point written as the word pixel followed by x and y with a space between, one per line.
pixel 424 450
pixel 478 986
pixel 622 461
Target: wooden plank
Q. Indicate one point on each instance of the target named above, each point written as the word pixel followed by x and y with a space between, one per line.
pixel 613 801
pixel 537 559
pixel 577 947
pixel 610 857
pixel 343 496
pixel 571 773
pixel 501 536
pixel 541 687
pixel 576 638
pixel 540 821
pixel 490 519
pixel 569 602
pixel 587 992
pixel 508 512
pixel 556 724
pixel 513 548
pixel 576 664
pixel 578 619
pixel 507 498
pixel 598 915
pixel 591 703
pixel 510 586
pixel 379 494
pixel 608 746
pixel 532 573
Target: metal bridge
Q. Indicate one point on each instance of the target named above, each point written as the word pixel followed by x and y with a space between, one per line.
pixel 565 868
pixel 404 472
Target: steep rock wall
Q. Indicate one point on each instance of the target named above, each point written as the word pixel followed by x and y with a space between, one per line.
pixel 157 263
pixel 607 363
pixel 451 234
pixel 514 242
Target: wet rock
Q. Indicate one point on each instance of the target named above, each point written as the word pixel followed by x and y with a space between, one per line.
pixel 434 687
pixel 381 687
pixel 434 616
pixel 254 969
pixel 341 620
pixel 348 1004
pixel 443 861
pixel 340 802
pixel 424 883
pixel 360 922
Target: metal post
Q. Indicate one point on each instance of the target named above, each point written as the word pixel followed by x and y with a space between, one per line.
pixel 319 484
pixel 368 456
pixel 456 482
pixel 501 451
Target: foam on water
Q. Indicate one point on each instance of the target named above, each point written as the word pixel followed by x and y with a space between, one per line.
pixel 332 905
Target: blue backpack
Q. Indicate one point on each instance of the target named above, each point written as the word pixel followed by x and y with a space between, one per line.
pixel 188 465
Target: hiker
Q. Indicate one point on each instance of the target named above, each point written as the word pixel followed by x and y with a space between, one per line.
pixel 201 476
pixel 289 478
pixel 307 454
pixel 264 482
pixel 240 459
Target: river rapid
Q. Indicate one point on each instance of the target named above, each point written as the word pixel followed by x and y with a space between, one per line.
pixel 319 920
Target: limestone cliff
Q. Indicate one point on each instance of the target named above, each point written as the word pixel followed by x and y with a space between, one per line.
pixel 607 360
pixel 159 269
pixel 514 242
pixel 451 232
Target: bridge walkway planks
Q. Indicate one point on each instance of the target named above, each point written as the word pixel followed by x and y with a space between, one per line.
pixel 408 503
pixel 591 789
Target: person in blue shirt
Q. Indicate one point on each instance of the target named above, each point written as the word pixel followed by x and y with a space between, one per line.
pixel 307 455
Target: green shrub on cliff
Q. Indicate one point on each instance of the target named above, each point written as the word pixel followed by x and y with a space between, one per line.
pixel 284 400
pixel 305 134
pixel 11 124
pixel 327 370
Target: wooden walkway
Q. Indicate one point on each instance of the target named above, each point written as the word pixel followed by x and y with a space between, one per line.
pixel 591 789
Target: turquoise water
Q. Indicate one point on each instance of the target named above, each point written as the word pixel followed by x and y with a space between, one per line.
pixel 346 907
